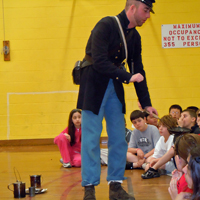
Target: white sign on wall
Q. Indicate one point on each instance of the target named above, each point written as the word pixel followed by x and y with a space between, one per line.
pixel 180 35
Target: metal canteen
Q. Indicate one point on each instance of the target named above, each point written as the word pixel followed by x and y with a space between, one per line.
pixel 19 189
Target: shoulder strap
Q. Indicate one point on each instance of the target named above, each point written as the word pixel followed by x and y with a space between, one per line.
pixel 88 60
pixel 123 37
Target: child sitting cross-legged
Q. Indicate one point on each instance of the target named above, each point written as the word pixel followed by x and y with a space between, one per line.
pixel 142 142
pixel 164 143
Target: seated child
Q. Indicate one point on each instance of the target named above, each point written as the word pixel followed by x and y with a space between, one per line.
pixel 164 143
pixel 69 141
pixel 188 120
pixel 194 108
pixel 150 119
pixel 142 142
pixel 192 175
pixel 175 111
pixel 183 145
pixel 152 172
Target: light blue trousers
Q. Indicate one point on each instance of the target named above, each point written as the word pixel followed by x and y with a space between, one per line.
pixel 111 109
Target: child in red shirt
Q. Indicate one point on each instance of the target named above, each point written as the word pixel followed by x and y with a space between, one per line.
pixel 183 145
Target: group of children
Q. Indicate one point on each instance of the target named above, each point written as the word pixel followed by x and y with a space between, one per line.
pixel 170 152
pixel 152 146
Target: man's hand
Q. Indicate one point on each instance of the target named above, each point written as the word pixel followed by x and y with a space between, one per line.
pixel 136 78
pixel 151 110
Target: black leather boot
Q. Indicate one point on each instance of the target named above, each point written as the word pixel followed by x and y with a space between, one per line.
pixel 89 193
pixel 116 192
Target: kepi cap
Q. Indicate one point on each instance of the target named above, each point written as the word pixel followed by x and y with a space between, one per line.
pixel 149 3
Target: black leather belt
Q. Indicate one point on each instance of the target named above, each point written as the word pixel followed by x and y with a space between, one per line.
pixel 87 61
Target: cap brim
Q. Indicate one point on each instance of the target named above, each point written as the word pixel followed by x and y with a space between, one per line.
pixel 150 5
pixel 152 11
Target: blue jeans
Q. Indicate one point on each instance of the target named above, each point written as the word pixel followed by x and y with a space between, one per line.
pixel 91 126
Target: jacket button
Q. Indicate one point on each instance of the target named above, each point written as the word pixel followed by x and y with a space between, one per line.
pixel 117 78
pixel 116 57
pixel 118 50
pixel 124 81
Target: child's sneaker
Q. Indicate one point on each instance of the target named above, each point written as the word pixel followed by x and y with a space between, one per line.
pixel 61 160
pixel 150 173
pixel 66 165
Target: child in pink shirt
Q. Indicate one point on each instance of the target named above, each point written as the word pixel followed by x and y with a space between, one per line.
pixel 69 141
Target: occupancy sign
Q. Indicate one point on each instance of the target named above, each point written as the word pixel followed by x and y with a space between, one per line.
pixel 180 35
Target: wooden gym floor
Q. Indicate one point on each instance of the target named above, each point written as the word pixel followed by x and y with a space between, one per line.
pixel 65 183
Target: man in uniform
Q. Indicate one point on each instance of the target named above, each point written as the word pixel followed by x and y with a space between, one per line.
pixel 101 94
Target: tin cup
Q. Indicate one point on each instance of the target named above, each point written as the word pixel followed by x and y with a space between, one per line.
pixel 31 191
pixel 35 181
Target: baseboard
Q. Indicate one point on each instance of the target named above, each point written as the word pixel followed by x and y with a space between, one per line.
pixel 37 142
pixel 27 142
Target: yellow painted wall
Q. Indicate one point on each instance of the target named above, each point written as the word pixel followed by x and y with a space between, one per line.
pixel 48 36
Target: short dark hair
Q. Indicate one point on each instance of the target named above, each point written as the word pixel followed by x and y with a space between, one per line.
pixel 193 108
pixel 137 114
pixel 175 106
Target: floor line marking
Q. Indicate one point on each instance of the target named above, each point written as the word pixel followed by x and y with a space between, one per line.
pixel 130 186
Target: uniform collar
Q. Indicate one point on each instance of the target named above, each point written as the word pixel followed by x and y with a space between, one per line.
pixel 124 20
